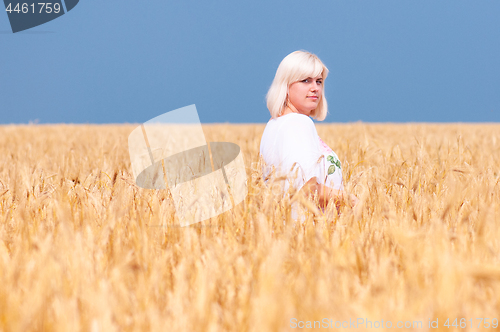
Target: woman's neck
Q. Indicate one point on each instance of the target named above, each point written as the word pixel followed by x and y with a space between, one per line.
pixel 289 108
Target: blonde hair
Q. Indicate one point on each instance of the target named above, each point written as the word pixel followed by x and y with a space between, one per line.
pixel 295 67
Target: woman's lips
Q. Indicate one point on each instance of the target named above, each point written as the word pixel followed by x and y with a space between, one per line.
pixel 313 97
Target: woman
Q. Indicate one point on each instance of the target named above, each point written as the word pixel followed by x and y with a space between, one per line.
pixel 290 143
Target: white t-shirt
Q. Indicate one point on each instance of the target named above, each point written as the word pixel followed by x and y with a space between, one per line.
pixel 290 144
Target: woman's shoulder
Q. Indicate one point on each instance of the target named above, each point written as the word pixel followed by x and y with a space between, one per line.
pixel 292 121
pixel 297 117
pixel 290 129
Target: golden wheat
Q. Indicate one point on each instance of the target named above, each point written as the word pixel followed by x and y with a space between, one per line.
pixel 83 248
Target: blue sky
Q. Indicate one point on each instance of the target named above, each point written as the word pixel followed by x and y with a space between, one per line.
pixel 129 61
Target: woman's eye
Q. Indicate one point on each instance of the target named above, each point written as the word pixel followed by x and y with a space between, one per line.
pixel 319 82
pixel 305 81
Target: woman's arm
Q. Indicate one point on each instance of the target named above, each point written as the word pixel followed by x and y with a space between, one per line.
pixel 325 194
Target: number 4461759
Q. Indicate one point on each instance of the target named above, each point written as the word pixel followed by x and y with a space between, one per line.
pixel 481 322
pixel 41 7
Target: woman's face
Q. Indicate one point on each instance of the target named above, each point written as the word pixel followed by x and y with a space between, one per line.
pixel 306 94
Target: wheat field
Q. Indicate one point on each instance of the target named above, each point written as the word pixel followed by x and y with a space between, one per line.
pixel 82 248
